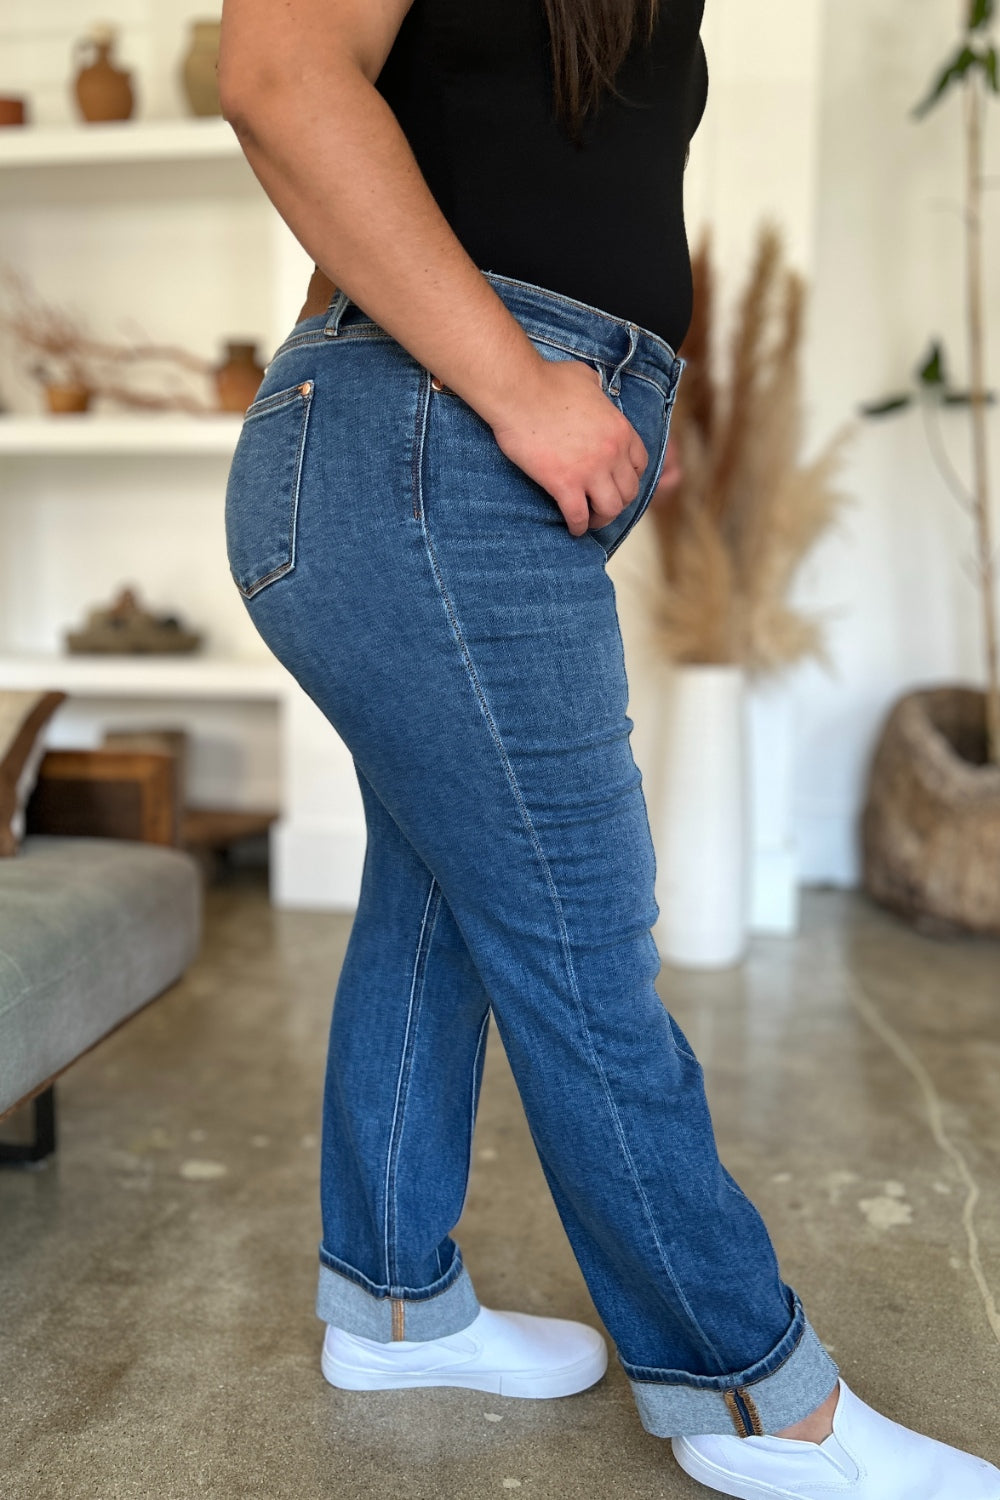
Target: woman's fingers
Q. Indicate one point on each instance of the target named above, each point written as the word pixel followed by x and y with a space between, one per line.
pixel 637 455
pixel 576 443
pixel 609 496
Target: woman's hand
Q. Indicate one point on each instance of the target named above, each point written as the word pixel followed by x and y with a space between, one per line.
pixel 571 439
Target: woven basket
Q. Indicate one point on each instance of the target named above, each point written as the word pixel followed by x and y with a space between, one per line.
pixel 931 825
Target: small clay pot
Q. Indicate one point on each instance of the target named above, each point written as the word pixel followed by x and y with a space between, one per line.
pixel 13 110
pixel 71 396
pixel 238 378
pixel 199 68
pixel 103 91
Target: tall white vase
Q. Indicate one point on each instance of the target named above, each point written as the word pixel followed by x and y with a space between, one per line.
pixel 700 830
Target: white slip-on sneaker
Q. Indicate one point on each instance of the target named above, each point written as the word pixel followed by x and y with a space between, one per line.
pixel 507 1353
pixel 868 1457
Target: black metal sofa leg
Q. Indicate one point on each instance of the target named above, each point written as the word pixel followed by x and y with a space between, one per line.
pixel 43 1144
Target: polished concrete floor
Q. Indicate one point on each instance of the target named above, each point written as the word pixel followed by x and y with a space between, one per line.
pixel 157 1333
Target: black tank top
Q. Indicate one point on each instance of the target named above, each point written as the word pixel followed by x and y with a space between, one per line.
pixel 470 82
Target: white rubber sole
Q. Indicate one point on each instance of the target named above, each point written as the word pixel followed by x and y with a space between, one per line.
pixel 527 1384
pixel 721 1480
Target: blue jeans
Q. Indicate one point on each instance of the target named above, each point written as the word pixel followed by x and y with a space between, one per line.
pixel 428 596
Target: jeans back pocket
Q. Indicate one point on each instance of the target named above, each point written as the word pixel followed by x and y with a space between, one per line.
pixel 262 491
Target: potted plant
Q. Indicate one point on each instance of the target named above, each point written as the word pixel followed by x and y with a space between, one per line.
pixel 931 824
pixel 728 543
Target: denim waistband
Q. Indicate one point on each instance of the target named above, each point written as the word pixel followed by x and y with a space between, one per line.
pixel 574 326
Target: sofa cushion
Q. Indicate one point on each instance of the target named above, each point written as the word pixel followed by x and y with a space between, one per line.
pixel 90 930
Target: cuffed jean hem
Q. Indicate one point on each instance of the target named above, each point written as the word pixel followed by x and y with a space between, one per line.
pixel 672 1404
pixel 388 1314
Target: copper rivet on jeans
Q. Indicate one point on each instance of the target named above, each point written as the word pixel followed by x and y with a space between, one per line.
pixel 437 384
pixel 306 387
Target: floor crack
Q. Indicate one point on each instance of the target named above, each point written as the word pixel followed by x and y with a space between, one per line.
pixel 883 1029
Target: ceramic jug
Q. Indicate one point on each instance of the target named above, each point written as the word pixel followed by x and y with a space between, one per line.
pixel 238 378
pixel 103 91
pixel 199 68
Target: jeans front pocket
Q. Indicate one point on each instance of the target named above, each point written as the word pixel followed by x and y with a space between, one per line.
pixel 262 491
pixel 649 409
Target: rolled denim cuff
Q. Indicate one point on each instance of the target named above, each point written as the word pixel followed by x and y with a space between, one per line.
pixel 785 1386
pixel 350 1301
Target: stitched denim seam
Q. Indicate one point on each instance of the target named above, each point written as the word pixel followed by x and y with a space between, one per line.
pixel 557 905
pixel 285 397
pixel 472 1101
pixel 624 366
pixel 796 1332
pixel 386 1293
pixel 306 397
pixel 352 331
pixel 431 906
pixel 585 306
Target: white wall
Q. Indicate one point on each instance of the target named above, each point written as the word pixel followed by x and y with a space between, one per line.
pixel 809 120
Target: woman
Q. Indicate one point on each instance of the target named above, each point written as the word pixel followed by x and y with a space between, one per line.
pixel 466 420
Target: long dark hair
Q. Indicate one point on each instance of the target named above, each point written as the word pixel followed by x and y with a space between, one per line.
pixel 590 41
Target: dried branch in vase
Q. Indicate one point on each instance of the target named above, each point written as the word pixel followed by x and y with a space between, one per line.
pixel 748 508
pixel 55 348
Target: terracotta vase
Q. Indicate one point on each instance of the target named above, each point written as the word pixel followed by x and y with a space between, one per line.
pixel 70 396
pixel 12 110
pixel 199 73
pixel 238 378
pixel 103 91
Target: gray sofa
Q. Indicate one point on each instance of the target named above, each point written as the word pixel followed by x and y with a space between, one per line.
pixel 91 928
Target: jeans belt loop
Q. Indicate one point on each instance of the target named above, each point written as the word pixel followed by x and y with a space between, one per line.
pixel 633 343
pixel 332 325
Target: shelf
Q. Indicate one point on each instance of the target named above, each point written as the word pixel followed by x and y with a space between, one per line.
pixel 182 676
pixel 211 138
pixel 80 432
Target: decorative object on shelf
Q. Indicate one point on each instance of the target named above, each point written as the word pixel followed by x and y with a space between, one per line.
pixel 931 824
pixel 73 367
pixel 66 396
pixel 238 377
pixel 126 626
pixel 102 90
pixel 13 110
pixel 728 543
pixel 199 68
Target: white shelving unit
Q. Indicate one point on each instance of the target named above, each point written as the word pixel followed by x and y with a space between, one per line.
pixel 79 433
pixel 183 676
pixel 120 141
pixel 128 215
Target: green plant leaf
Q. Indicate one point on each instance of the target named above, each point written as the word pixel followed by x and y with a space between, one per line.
pixel 990 69
pixel 933 371
pixel 887 407
pixel 953 72
pixel 981 13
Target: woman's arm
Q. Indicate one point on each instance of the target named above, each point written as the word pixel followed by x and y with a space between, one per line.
pixel 296 80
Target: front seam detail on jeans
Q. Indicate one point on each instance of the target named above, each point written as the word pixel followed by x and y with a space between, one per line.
pixel 472 1102
pixel 402 1081
pixel 419 437
pixel 554 895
